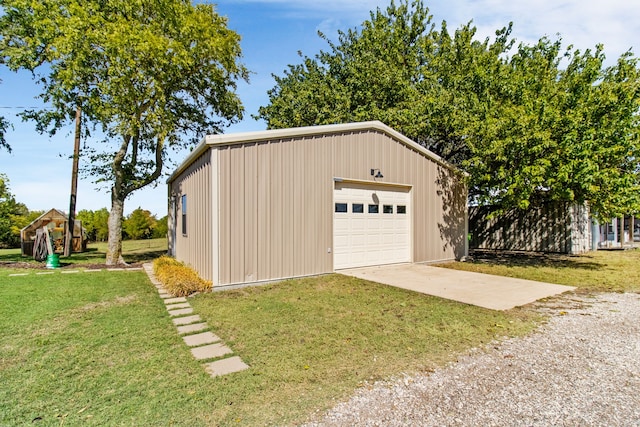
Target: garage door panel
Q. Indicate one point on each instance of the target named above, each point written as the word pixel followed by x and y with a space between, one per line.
pixel 365 235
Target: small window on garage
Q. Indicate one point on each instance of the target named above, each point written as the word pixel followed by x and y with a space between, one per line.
pixel 184 214
pixel 357 208
pixel 341 207
pixel 374 209
pixel 401 209
pixel 388 209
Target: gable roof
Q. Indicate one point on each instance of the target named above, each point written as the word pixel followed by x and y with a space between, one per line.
pixel 271 134
pixel 46 217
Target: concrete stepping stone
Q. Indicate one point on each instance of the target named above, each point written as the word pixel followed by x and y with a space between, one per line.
pixel 225 366
pixel 195 327
pixel 201 339
pixel 186 320
pixel 179 305
pixel 210 351
pixel 180 312
pixel 204 345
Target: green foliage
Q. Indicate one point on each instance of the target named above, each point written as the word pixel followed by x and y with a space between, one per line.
pixel 523 127
pixel 177 278
pixel 147 75
pixel 139 224
pixel 96 224
pixel 14 216
pixel 162 227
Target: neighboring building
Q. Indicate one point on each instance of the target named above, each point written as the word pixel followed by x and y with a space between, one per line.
pixel 56 222
pixel 551 227
pixel 610 237
pixel 261 206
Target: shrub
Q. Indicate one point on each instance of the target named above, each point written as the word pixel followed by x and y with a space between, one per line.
pixel 177 278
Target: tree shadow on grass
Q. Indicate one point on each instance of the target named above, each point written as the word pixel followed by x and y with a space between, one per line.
pixel 144 256
pixel 91 257
pixel 533 259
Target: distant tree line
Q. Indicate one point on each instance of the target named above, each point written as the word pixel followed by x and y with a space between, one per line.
pixel 139 224
pixel 14 216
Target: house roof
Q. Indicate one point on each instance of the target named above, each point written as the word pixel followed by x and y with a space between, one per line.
pixel 46 217
pixel 271 134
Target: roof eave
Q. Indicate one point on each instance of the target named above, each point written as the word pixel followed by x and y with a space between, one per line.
pixel 274 134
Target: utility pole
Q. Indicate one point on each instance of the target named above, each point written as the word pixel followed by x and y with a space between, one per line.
pixel 74 186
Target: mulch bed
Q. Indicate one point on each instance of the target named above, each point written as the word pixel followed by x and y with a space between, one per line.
pixel 65 266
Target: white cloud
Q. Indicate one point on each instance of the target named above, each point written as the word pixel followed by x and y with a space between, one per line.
pixel 582 23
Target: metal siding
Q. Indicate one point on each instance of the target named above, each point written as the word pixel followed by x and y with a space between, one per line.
pixel 276 242
pixel 287 210
pixel 251 197
pixel 355 155
pixel 276 211
pixel 236 209
pixel 224 230
pixel 264 208
pixel 195 248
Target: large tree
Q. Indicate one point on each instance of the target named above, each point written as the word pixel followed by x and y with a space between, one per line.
pixel 140 224
pixel 527 122
pixel 95 223
pixel 148 75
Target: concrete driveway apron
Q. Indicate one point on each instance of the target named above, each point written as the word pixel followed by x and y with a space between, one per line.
pixel 484 290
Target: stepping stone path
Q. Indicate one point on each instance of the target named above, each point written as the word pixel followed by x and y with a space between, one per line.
pixel 204 344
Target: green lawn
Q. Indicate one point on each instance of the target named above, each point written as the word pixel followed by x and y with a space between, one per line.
pixel 95 349
pixel 98 348
pixel 601 271
pixel 133 251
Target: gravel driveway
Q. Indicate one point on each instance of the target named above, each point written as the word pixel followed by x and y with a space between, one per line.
pixel 582 368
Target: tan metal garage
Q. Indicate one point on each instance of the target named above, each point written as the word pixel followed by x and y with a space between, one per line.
pixel 262 206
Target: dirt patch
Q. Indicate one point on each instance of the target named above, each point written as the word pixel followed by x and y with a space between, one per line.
pixel 115 302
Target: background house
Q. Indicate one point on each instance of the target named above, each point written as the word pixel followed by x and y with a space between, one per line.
pixel 548 227
pixel 261 206
pixel 56 222
pixel 619 233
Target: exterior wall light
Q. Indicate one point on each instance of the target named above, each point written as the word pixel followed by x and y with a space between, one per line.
pixel 376 175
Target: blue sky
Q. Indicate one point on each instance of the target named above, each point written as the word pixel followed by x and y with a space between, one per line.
pixel 273 31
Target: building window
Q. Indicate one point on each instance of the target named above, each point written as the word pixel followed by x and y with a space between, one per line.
pixel 401 209
pixel 374 209
pixel 357 208
pixel 184 214
pixel 388 209
pixel 341 207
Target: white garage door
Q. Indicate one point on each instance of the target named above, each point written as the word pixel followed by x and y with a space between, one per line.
pixel 371 225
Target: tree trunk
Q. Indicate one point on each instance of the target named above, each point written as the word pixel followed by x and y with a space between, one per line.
pixel 114 246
